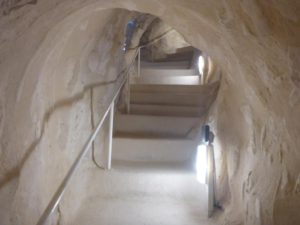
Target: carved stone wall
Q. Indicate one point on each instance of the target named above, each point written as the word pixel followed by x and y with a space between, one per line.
pixel 6 6
pixel 255 119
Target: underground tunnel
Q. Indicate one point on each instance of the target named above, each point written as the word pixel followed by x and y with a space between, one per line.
pixel 62 63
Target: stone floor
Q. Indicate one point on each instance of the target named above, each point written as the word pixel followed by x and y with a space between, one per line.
pixel 144 194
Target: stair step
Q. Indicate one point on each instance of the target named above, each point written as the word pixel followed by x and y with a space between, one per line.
pixel 178 56
pixel 167 72
pixel 171 80
pixel 137 193
pixel 154 126
pixel 146 135
pixel 140 209
pixel 178 99
pixel 154 150
pixel 167 110
pixel 179 95
pixel 164 88
pixel 166 65
pixel 134 195
pixel 185 49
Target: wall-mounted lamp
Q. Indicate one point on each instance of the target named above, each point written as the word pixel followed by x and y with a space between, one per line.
pixel 205 166
pixel 201 159
pixel 206 134
pixel 201 64
pixel 201 164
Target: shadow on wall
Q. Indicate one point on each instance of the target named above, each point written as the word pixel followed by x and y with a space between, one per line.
pixel 9 5
pixel 13 173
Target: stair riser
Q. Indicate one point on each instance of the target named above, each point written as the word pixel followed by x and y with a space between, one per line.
pixel 153 150
pixel 161 110
pixel 156 183
pixel 154 125
pixel 169 99
pixel 168 72
pixel 208 90
pixel 166 65
pixel 180 56
pixel 168 80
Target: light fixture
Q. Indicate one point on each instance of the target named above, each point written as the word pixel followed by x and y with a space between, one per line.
pixel 202 154
pixel 201 163
pixel 201 63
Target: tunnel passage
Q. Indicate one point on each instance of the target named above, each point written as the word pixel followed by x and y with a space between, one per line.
pixel 255 115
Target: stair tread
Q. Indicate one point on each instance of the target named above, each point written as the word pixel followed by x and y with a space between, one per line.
pixel 175 88
pixel 165 118
pixel 131 165
pixel 180 55
pixel 174 194
pixel 172 110
pixel 166 72
pixel 179 99
pixel 165 65
pixel 177 57
pixel 169 106
pixel 154 150
pixel 168 80
pixel 149 126
pixel 147 135
pixel 185 49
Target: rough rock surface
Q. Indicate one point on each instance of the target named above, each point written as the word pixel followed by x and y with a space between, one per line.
pixel 163 40
pixel 52 51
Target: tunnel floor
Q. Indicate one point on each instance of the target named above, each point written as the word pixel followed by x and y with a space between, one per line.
pixel 134 193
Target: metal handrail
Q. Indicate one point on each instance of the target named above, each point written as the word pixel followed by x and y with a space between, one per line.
pixel 140 47
pixel 55 200
pixel 153 40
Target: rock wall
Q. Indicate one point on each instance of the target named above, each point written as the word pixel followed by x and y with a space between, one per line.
pixel 164 40
pixel 56 81
pixel 255 118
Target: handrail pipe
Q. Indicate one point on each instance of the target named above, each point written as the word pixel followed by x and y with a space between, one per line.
pixel 55 200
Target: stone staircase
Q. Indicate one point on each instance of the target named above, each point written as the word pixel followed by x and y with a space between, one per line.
pixel 167 107
pixel 153 178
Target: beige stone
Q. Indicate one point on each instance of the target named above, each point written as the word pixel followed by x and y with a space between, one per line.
pixel 53 52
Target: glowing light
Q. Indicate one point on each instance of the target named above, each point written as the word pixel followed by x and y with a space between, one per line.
pixel 201 163
pixel 201 63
